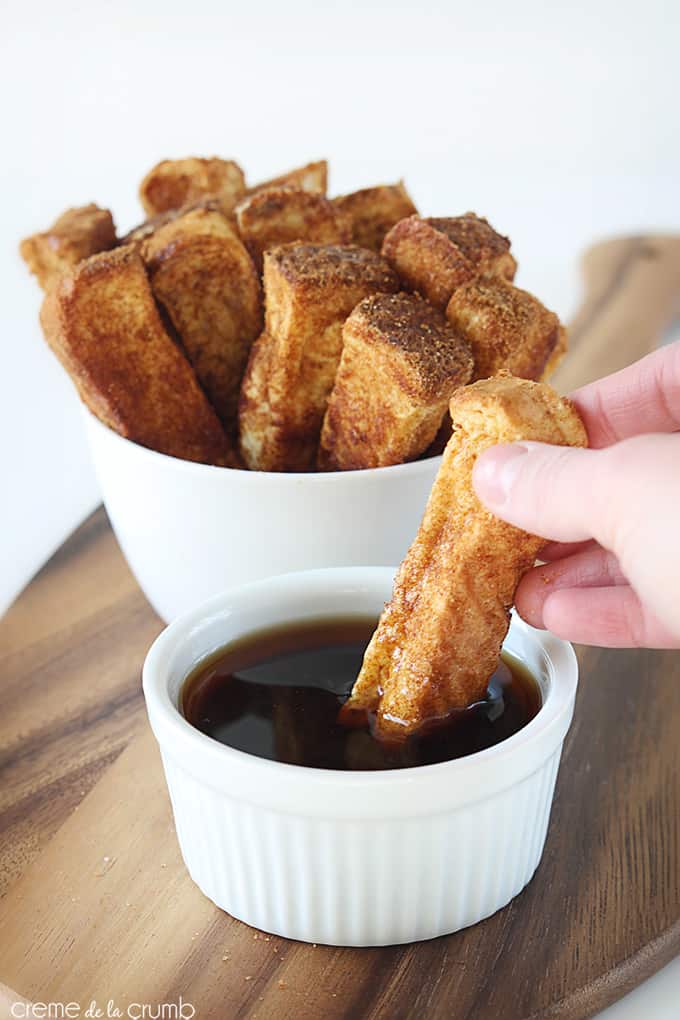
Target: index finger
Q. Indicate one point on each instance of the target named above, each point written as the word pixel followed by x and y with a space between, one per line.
pixel 644 397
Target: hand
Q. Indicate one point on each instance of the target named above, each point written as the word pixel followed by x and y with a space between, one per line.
pixel 612 512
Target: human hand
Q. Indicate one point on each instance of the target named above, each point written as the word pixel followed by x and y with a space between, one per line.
pixel 611 513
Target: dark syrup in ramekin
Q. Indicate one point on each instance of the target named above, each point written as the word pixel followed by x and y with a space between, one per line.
pixel 277 693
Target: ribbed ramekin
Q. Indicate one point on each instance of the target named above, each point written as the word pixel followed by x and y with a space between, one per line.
pixel 353 858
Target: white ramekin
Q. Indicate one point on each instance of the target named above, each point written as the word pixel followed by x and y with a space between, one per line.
pixel 188 531
pixel 353 858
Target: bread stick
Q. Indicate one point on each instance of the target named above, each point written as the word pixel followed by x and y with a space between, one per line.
pixel 75 235
pixel 309 292
pixel 280 215
pixel 173 183
pixel 205 280
pixel 506 328
pixel 374 211
pixel 439 638
pixel 311 177
pixel 102 323
pixel 438 254
pixel 401 362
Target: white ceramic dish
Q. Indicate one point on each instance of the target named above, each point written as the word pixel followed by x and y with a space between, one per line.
pixel 189 530
pixel 353 858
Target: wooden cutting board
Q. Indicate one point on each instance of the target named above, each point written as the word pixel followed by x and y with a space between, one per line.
pixel 97 904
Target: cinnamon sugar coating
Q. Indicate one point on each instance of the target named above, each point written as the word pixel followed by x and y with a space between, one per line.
pixel 75 235
pixel 401 362
pixel 506 328
pixel 374 211
pixel 280 215
pixel 311 177
pixel 436 255
pixel 173 183
pixel 309 292
pixel 205 280
pixel 439 638
pixel 102 323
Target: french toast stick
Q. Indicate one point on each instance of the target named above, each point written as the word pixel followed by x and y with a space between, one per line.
pixel 311 177
pixel 281 215
pixel 400 363
pixel 506 328
pixel 204 278
pixel 75 235
pixel 439 638
pixel 374 211
pixel 173 183
pixel 101 321
pixel 438 254
pixel 309 292
pixel 144 230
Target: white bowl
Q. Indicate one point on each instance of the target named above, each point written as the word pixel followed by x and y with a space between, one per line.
pixel 353 858
pixel 189 530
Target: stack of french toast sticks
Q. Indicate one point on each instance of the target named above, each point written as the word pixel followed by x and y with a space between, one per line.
pixel 272 328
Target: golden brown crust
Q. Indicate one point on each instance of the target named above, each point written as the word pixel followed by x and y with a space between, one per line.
pixel 311 177
pixel 374 211
pixel 478 241
pixel 143 231
pixel 102 323
pixel 400 363
pixel 275 216
pixel 173 183
pixel 75 235
pixel 312 269
pixel 558 352
pixel 506 328
pixel 309 292
pixel 435 256
pixel 438 640
pixel 205 280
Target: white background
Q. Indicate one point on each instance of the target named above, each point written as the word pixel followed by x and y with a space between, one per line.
pixel 559 124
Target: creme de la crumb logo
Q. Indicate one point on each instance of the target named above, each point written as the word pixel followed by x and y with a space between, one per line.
pixel 180 1010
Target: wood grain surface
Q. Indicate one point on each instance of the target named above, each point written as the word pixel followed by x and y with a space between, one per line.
pixel 97 903
pixel 631 296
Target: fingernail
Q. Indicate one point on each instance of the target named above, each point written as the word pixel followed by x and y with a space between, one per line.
pixel 495 472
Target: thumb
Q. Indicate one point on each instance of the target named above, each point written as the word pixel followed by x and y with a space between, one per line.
pixel 552 491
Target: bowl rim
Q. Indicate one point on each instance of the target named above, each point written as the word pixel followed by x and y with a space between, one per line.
pixel 392 471
pixel 177 736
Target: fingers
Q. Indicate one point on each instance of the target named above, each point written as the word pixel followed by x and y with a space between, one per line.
pixel 559 550
pixel 540 488
pixel 625 497
pixel 573 495
pixel 608 617
pixel 591 568
pixel 645 397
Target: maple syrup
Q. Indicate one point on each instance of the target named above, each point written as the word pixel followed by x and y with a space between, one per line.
pixel 277 694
